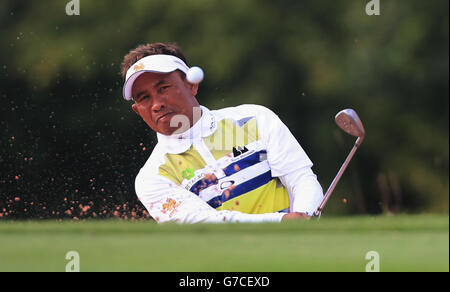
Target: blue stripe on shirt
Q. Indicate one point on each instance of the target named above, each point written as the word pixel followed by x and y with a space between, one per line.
pixel 229 170
pixel 244 163
pixel 241 189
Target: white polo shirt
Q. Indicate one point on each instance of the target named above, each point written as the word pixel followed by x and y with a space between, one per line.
pixel 237 164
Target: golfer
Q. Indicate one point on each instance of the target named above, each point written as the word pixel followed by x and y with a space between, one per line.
pixel 236 164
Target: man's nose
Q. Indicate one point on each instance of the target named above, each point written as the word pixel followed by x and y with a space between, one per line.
pixel 158 104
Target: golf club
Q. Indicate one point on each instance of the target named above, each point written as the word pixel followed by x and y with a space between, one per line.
pixel 348 121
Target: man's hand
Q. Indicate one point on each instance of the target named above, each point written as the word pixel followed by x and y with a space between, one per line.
pixel 295 216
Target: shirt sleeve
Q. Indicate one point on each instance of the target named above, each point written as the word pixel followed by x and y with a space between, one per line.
pixel 305 192
pixel 290 163
pixel 168 202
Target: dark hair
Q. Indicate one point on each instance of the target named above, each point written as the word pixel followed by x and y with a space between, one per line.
pixel 150 49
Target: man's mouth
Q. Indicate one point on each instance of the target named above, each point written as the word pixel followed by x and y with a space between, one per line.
pixel 164 117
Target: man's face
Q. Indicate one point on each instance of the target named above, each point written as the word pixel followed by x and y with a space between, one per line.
pixel 159 97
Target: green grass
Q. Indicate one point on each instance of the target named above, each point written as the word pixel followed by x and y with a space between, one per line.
pixel 404 243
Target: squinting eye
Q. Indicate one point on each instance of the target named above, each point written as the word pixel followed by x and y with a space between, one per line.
pixel 163 88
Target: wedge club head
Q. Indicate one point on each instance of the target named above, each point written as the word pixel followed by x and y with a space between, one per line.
pixel 349 121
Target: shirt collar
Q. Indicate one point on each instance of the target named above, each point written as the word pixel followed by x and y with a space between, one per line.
pixel 178 143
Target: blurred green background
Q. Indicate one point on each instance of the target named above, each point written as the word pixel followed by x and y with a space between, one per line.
pixel 69 139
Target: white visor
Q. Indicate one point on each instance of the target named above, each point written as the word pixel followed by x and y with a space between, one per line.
pixel 154 63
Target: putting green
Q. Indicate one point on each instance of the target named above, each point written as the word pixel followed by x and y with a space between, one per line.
pixel 403 243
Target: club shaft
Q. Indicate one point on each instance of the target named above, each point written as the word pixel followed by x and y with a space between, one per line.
pixel 338 177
